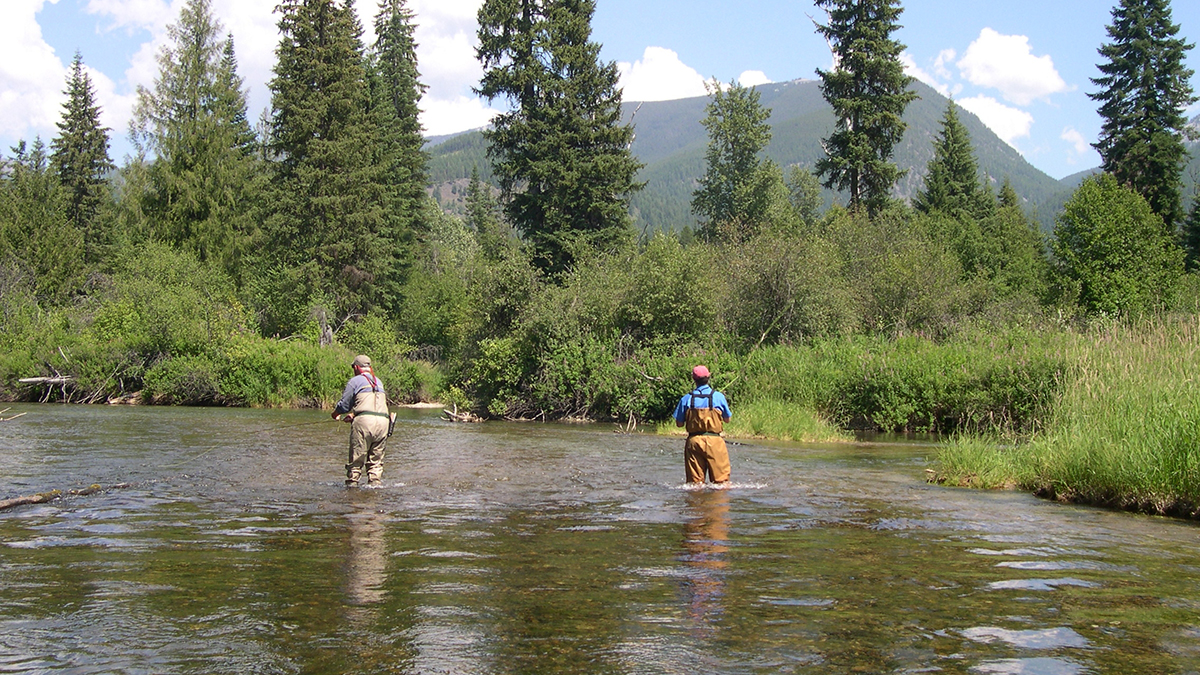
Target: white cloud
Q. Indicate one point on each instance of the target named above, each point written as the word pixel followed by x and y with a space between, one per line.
pixel 447 116
pixel 1007 63
pixel 1076 139
pixel 913 70
pixel 32 76
pixel 753 78
pixel 1008 123
pixel 659 76
pixel 939 64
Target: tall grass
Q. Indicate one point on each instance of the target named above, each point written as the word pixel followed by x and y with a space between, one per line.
pixel 1125 430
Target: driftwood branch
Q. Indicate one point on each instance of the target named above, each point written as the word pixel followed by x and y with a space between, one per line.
pixel 466 416
pixel 5 419
pixel 60 379
pixel 43 497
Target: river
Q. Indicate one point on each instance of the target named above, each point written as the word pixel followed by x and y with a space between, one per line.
pixel 534 548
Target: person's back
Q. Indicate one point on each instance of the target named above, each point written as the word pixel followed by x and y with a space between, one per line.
pixel 704 413
pixel 364 403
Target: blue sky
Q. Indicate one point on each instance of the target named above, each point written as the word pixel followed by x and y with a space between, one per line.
pixel 1023 66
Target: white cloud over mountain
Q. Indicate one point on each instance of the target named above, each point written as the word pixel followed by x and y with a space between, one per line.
pixel 753 78
pixel 659 76
pixel 1006 63
pixel 1008 123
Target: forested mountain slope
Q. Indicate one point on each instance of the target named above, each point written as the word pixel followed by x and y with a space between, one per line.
pixel 671 143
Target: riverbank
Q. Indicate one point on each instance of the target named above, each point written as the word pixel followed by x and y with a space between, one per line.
pixel 1124 433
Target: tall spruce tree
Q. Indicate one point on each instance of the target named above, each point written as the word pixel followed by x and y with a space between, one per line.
pixel 869 92
pixel 34 227
pixel 203 178
pixel 734 193
pixel 79 157
pixel 1144 90
pixel 396 92
pixel 561 154
pixel 328 194
pixel 483 218
pixel 952 183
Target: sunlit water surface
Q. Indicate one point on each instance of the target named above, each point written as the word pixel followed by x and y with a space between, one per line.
pixel 507 548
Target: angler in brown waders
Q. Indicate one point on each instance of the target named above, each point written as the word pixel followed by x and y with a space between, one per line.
pixel 364 406
pixel 704 413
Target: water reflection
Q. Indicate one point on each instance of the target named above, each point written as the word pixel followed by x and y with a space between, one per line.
pixel 705 545
pixel 366 555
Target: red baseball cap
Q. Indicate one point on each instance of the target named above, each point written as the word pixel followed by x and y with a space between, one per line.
pixel 700 371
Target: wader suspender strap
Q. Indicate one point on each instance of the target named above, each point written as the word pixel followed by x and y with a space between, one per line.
pixel 692 405
pixel 375 388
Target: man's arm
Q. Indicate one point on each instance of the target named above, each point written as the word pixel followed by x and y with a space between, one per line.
pixel 347 403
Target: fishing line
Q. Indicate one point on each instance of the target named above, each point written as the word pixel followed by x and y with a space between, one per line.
pixel 247 433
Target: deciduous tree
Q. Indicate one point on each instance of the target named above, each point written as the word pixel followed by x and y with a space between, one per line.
pixel 1114 249
pixel 734 194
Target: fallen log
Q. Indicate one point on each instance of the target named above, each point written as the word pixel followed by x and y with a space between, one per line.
pixel 467 416
pixel 43 497
pixel 61 379
pixel 5 419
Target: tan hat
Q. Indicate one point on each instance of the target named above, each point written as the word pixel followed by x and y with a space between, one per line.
pixel 362 361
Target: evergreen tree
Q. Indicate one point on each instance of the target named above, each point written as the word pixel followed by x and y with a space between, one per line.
pixel 34 225
pixel 733 196
pixel 1191 234
pixel 483 217
pixel 396 92
pixel 805 194
pixel 1144 91
pixel 952 182
pixel 328 196
pixel 869 92
pixel 561 154
pixel 79 157
pixel 1012 251
pixel 203 179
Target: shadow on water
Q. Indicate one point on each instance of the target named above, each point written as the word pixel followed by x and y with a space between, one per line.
pixel 508 548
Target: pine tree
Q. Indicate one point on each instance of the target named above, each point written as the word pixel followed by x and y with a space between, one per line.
pixel 203 179
pixel 952 183
pixel 328 197
pixel 483 218
pixel 1190 238
pixel 869 92
pixel 79 157
pixel 562 154
pixel 733 197
pixel 1144 91
pixel 34 224
pixel 396 92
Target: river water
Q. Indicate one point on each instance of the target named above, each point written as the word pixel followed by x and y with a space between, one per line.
pixel 510 548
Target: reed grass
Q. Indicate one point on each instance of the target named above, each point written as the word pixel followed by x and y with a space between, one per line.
pixel 1125 431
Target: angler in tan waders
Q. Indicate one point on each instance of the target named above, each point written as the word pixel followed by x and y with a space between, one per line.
pixel 364 406
pixel 704 413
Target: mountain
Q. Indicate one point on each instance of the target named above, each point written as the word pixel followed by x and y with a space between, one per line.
pixel 671 142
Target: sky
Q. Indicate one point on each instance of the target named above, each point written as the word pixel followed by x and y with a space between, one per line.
pixel 1022 66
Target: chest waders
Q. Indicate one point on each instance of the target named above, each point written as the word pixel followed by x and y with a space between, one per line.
pixel 706 421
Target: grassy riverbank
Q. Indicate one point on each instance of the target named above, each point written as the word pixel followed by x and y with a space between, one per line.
pixel 1125 430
